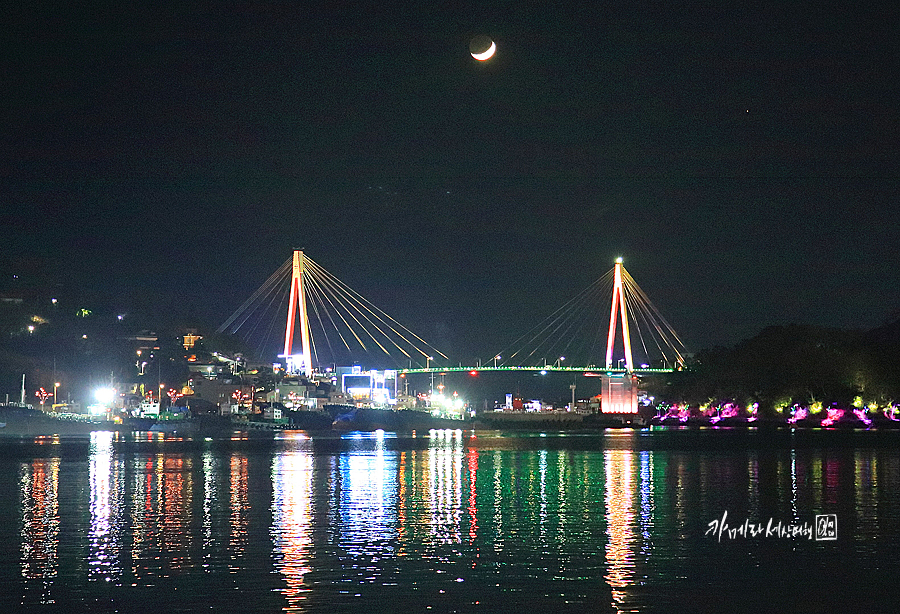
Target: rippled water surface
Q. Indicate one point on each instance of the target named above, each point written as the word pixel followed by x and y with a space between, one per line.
pixel 451 521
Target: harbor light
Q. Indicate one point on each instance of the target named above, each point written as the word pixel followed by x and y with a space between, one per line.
pixel 105 395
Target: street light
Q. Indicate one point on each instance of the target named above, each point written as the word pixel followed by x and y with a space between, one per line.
pixel 559 360
pixel 55 391
pixel 431 390
pixel 428 360
pixel 496 358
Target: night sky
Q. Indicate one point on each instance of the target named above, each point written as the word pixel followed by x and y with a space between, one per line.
pixel 743 160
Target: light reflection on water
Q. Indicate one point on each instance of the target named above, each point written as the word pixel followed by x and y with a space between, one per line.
pixel 621 485
pixel 106 479
pixel 442 521
pixel 239 504
pixel 445 461
pixel 40 526
pixel 368 490
pixel 291 518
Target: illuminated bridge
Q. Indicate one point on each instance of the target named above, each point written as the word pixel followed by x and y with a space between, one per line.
pixel 334 320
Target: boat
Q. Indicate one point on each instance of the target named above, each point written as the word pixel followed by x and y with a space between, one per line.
pixel 22 420
pixel 399 420
pixel 203 425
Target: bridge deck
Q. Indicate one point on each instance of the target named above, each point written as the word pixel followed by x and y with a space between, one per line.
pixel 547 368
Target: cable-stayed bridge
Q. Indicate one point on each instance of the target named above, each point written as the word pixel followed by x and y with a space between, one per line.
pixel 337 325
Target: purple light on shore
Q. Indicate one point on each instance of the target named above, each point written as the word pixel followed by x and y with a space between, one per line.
pixel 800 413
pixel 729 410
pixel 834 414
pixel 861 414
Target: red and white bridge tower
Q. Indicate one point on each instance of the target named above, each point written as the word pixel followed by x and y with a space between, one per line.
pixel 619 395
pixel 297 362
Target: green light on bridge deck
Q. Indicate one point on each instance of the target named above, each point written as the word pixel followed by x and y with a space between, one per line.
pixel 544 370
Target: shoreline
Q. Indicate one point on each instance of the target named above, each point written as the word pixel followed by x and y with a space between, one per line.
pixel 24 423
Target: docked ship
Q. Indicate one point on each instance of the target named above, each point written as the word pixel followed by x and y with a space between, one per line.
pixel 21 420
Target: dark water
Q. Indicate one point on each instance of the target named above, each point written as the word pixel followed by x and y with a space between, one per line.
pixel 450 522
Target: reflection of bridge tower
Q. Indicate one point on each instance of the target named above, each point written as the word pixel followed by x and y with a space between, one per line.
pixel 297 299
pixel 619 394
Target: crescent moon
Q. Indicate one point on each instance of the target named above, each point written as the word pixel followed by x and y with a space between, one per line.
pixel 481 57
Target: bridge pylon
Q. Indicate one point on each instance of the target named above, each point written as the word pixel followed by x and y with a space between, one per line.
pixel 618 297
pixel 619 395
pixel 297 301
